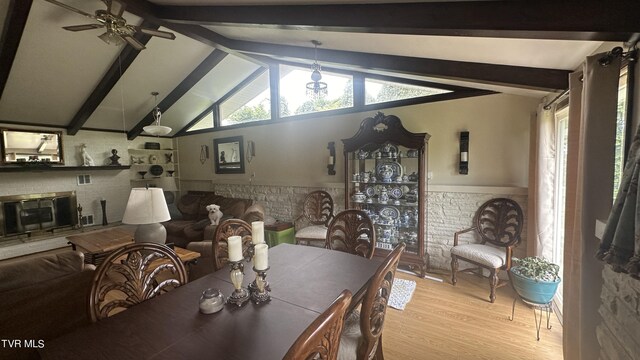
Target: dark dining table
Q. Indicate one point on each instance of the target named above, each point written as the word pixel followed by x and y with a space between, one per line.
pixel 304 281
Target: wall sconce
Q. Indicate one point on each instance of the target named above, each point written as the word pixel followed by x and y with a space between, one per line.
pixel 331 166
pixel 464 152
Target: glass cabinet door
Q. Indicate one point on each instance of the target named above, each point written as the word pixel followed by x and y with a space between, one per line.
pixel 385 184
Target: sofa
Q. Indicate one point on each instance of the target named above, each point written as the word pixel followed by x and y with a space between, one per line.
pixel 41 298
pixel 189 217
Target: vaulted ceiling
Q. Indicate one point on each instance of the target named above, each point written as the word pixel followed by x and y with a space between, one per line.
pixel 73 80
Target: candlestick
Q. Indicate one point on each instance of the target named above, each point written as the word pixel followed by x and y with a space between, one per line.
pixel 240 295
pixel 261 258
pixel 257 232
pixel 261 289
pixel 234 244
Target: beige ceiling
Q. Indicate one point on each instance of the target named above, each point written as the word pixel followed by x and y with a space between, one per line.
pixel 55 71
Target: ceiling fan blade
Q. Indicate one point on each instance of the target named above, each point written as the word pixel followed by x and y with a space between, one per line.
pixel 116 8
pixel 78 11
pixel 83 27
pixel 133 42
pixel 158 33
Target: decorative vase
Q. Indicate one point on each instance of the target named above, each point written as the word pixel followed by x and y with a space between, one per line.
pixel 537 292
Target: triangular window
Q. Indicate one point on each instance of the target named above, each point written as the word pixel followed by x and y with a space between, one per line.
pixel 379 91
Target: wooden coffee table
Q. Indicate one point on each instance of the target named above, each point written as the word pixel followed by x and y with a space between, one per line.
pixel 97 245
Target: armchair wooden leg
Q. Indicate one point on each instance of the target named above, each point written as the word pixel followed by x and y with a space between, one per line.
pixel 379 355
pixel 454 269
pixel 493 282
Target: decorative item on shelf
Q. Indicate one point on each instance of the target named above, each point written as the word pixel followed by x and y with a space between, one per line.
pixel 359 197
pixel 156 170
pixel 316 89
pixel 405 178
pixel 156 129
pixel 412 153
pixel 384 196
pixel 114 157
pixel 153 159
pixel 240 295
pixel 413 176
pixel 411 196
pixel 211 301
pixel 170 173
pixel 103 205
pixel 142 173
pixel 356 177
pixel 87 160
pixel 331 165
pixel 152 145
pixel 147 208
pixel 362 154
pixel 464 152
pixel 396 193
pixel 168 158
pixel 136 160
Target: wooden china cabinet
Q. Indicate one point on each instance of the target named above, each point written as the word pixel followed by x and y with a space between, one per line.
pixel 385 167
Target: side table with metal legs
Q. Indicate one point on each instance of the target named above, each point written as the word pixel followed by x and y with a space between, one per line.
pixel 541 307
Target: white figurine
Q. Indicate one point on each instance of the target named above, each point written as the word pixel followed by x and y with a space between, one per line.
pixel 214 213
pixel 86 158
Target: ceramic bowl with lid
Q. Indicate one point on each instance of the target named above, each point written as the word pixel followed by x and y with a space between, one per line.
pixel 211 301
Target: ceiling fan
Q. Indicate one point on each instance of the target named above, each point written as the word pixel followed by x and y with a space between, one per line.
pixel 117 29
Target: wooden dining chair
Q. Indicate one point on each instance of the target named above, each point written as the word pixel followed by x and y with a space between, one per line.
pixel 230 227
pixel 321 339
pixel 362 335
pixel 498 223
pixel 352 231
pixel 317 211
pixel 131 275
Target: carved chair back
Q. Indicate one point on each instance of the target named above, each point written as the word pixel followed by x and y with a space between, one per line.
pixel 374 305
pixel 318 208
pixel 131 275
pixel 321 339
pixel 352 231
pixel 230 227
pixel 499 222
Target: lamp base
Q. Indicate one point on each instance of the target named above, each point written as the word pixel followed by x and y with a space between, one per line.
pixel 150 233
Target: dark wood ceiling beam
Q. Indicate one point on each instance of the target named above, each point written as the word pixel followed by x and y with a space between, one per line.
pixel 541 19
pixel 17 14
pixel 198 73
pixel 109 80
pixel 519 76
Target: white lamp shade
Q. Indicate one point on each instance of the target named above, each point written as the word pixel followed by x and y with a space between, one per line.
pixel 146 206
pixel 157 130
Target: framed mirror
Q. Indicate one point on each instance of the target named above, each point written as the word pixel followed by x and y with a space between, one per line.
pixel 24 146
pixel 229 155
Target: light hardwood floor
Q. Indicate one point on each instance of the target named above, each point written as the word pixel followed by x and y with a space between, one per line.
pixel 443 321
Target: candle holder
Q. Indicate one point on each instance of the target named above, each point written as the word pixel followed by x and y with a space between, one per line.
pixel 259 288
pixel 251 250
pixel 240 295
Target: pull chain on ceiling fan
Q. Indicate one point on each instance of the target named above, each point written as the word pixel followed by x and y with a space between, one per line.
pixel 117 29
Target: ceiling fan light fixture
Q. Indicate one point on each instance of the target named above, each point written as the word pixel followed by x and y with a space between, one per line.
pixel 111 38
pixel 316 88
pixel 156 129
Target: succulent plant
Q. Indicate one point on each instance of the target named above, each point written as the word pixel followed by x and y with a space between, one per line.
pixel 536 268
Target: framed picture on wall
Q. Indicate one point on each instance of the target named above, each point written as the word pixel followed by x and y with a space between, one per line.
pixel 229 155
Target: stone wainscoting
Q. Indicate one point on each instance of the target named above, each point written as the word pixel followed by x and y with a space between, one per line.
pixel 449 208
pixel 620 311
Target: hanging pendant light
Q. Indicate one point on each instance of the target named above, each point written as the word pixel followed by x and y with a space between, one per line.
pixel 316 88
pixel 156 129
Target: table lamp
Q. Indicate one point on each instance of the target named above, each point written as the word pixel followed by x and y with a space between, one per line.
pixel 147 208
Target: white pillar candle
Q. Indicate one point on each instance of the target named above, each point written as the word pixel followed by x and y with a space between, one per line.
pixel 257 232
pixel 331 160
pixel 261 258
pixel 235 248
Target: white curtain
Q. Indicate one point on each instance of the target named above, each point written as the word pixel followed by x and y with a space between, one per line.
pixel 590 159
pixel 541 192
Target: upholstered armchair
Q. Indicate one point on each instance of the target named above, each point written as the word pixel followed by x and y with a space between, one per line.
pixel 498 223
